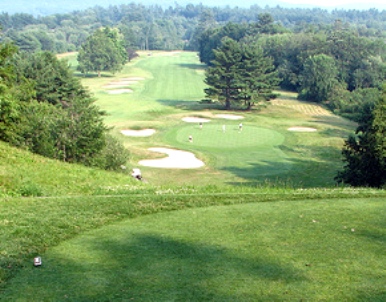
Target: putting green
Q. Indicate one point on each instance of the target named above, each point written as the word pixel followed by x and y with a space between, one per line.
pixel 213 136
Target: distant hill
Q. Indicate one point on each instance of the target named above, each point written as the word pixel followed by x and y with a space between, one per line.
pixel 43 8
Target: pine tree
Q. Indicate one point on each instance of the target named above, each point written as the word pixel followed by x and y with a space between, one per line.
pixel 240 74
pixel 223 76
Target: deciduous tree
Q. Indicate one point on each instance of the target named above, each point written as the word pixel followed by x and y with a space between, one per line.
pixel 103 51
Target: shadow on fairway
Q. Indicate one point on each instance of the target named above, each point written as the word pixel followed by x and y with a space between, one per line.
pixel 312 170
pixel 192 105
pixel 148 267
pixel 193 66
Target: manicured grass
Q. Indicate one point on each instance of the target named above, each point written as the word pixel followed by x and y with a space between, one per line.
pixel 326 250
pixel 252 148
pixel 172 87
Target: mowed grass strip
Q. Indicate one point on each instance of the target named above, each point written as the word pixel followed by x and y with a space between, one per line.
pixel 326 250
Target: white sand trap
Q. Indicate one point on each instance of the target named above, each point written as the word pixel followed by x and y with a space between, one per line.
pixel 176 159
pixel 119 91
pixel 138 133
pixel 195 120
pixel 229 116
pixel 302 129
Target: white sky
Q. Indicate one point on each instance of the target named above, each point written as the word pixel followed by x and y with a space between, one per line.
pixel 330 3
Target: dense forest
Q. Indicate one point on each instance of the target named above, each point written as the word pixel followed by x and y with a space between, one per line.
pixel 334 58
pixel 154 27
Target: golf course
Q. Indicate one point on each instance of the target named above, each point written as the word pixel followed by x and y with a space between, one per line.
pixel 237 205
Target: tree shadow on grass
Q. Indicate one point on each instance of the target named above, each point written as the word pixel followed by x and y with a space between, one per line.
pixel 150 267
pixel 313 170
pixel 191 105
pixel 193 66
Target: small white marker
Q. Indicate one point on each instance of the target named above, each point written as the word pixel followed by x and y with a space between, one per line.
pixel 37 261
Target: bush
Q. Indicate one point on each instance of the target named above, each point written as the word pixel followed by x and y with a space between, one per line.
pixel 113 155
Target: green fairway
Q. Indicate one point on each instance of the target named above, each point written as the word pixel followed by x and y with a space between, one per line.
pixel 212 136
pixel 330 250
pixel 171 87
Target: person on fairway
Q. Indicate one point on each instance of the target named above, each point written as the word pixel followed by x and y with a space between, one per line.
pixel 200 125
pixel 240 127
pixel 190 139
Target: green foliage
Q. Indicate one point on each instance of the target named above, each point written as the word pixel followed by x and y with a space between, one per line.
pixel 239 73
pixel 365 153
pixel 112 157
pixel 352 104
pixel 213 39
pixel 46 110
pixel 51 79
pixel 318 78
pixel 103 51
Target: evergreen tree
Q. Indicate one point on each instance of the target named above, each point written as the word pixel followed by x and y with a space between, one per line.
pixel 365 153
pixel 258 76
pixel 240 74
pixel 224 77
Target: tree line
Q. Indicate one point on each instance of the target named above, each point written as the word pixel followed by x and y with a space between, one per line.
pixel 154 27
pixel 337 67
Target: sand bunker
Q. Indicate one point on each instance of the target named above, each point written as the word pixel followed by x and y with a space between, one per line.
pixel 302 129
pixel 119 91
pixel 138 133
pixel 195 120
pixel 176 159
pixel 229 116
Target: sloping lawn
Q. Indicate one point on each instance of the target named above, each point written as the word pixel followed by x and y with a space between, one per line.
pixel 326 250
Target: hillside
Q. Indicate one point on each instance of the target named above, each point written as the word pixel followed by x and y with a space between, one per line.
pixel 74 264
pixel 26 174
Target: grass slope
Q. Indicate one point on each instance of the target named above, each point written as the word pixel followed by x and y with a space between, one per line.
pixel 26 174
